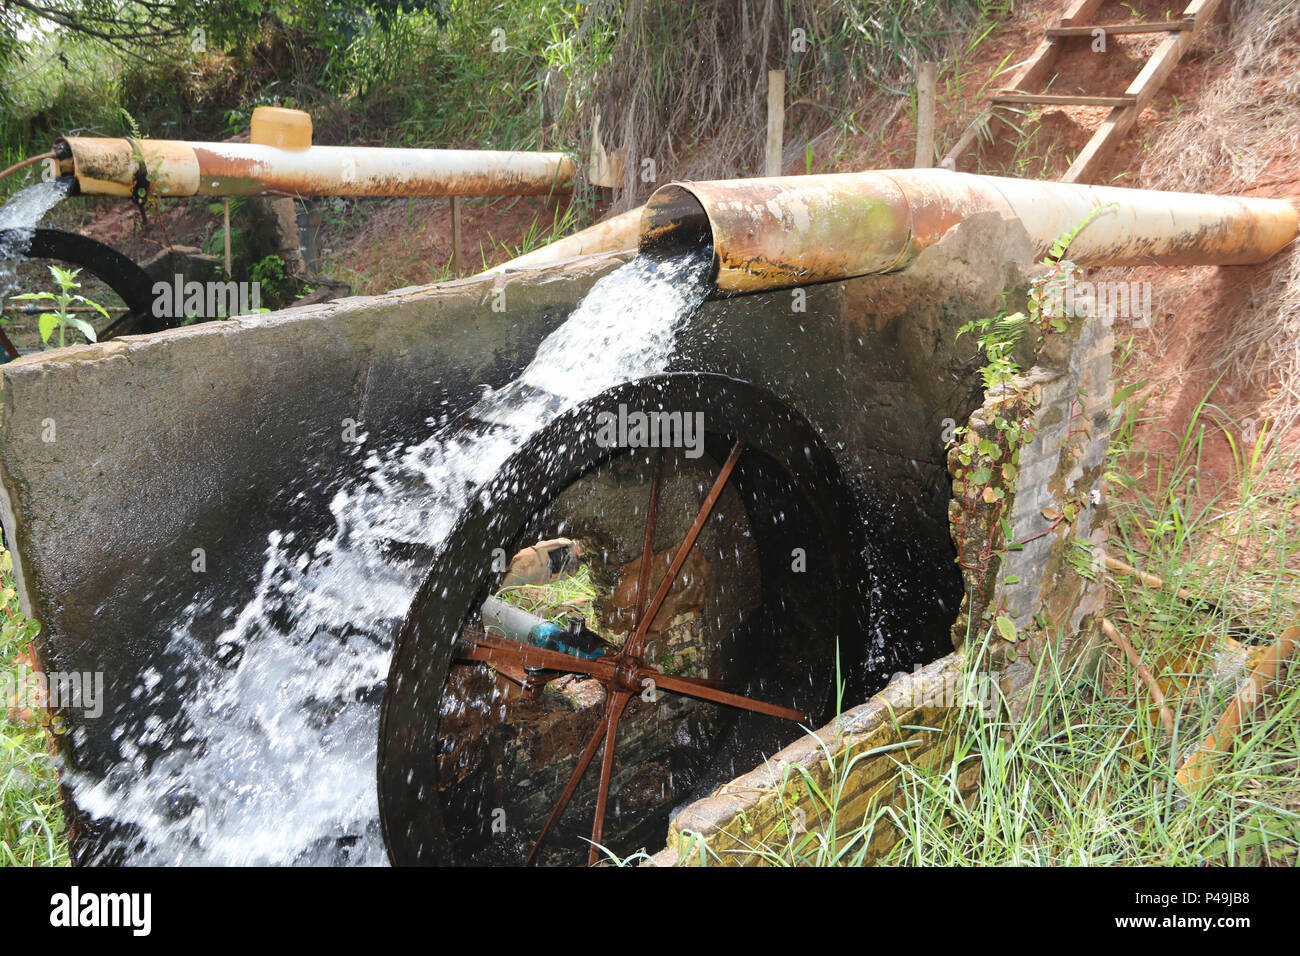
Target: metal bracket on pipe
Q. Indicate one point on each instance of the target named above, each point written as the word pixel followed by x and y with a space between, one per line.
pixel 140 186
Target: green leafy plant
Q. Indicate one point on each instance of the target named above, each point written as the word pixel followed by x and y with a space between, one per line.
pixel 998 337
pixel 557 600
pixel 131 124
pixel 1087 776
pixel 214 240
pixel 63 301
pixel 987 451
pixel 272 279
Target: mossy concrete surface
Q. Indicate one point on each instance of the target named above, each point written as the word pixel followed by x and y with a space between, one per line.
pixel 856 755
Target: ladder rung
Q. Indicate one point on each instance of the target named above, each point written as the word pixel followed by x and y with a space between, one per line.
pixel 1051 99
pixel 1119 29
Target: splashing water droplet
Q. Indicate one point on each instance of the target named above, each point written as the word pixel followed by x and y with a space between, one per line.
pixel 19 217
pixel 271 756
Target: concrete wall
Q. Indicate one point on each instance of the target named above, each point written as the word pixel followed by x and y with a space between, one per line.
pixel 114 452
pixel 1057 509
pixel 858 754
pixel 118 460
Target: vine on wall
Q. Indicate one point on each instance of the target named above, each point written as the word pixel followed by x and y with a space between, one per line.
pixel 985 455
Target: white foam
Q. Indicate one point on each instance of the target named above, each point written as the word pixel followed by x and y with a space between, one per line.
pixel 19 217
pixel 272 758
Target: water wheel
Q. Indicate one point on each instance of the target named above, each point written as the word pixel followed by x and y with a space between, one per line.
pixel 126 279
pixel 511 776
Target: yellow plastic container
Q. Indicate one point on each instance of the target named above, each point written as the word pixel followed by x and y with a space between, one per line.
pixel 281 128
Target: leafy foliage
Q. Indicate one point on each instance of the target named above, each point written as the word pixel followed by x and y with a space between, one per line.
pixel 62 317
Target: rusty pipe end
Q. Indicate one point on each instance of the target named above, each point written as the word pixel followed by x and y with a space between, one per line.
pixel 674 221
pixel 63 161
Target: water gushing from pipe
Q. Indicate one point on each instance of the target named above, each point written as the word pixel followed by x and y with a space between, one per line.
pixel 19 217
pixel 271 756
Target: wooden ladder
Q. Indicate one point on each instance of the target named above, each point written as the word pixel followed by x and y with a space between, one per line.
pixel 1124 109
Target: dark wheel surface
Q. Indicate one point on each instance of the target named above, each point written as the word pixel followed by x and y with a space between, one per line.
pixel 130 282
pixel 783 652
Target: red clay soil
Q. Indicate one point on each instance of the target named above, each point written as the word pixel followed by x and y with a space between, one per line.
pixel 116 222
pixel 376 245
pixel 1020 145
pixel 399 242
pixel 1197 311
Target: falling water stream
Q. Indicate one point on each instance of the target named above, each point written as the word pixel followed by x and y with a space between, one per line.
pixel 25 208
pixel 19 217
pixel 271 757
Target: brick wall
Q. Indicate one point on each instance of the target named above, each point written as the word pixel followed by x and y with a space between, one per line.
pixel 1057 510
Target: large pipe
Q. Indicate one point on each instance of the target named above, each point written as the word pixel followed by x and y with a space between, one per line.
pixel 116 167
pixel 616 234
pixel 785 231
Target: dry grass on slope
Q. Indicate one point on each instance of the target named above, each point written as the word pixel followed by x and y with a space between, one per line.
pixel 684 85
pixel 1243 136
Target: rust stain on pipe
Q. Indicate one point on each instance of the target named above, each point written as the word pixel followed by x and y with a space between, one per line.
pixel 109 167
pixel 779 232
pixel 765 233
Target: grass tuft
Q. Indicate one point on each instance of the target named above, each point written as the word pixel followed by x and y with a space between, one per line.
pixel 32 831
pixel 1087 776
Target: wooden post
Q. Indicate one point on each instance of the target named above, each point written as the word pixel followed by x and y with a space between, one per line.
pixel 775 121
pixel 226 218
pixel 926 81
pixel 455 234
pixel 313 236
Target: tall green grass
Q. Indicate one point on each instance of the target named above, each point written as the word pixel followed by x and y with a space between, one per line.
pixel 61 85
pixel 522 74
pixel 1087 777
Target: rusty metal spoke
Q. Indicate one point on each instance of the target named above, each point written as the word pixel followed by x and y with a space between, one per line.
pixel 623 673
pixel 614 704
pixel 490 649
pixel 636 642
pixel 647 550
pixel 702 681
pixel 704 692
pixel 571 787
